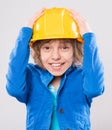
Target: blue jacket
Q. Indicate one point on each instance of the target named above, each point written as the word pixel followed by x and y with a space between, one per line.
pixel 29 84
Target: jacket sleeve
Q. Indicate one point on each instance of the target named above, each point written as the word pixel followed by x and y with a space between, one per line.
pixel 93 71
pixel 16 76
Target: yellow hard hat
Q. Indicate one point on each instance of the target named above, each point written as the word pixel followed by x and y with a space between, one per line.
pixel 55 23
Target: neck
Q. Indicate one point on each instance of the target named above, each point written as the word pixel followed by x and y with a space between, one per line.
pixel 56 82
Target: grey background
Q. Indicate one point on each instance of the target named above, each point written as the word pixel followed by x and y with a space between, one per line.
pixel 14 14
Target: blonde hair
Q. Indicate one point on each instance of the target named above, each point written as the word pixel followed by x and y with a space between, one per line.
pixel 77 53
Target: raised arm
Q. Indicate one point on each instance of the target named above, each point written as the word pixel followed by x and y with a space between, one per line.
pixel 16 76
pixel 93 71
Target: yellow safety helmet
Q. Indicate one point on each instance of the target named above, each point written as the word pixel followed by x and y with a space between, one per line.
pixel 55 23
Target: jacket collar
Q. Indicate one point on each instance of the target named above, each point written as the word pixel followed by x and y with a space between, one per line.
pixel 47 77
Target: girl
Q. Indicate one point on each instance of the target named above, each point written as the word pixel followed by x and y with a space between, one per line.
pixel 58 89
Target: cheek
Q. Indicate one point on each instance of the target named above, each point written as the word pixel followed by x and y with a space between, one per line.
pixel 71 60
pixel 44 57
pixel 69 57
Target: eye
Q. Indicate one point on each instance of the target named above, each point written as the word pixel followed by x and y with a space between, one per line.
pixel 64 48
pixel 46 48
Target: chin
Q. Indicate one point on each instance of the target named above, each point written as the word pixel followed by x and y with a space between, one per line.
pixel 57 74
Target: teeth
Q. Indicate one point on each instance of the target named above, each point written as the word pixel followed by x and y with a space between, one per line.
pixel 56 65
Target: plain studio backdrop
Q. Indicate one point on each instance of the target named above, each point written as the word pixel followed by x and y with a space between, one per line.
pixel 14 14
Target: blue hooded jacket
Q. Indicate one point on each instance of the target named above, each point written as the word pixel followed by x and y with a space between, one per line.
pixel 29 84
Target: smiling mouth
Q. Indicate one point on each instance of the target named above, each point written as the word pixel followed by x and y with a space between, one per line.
pixel 56 64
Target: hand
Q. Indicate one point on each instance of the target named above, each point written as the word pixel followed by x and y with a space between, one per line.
pixel 32 20
pixel 82 23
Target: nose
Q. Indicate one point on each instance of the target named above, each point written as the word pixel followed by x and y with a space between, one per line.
pixel 56 54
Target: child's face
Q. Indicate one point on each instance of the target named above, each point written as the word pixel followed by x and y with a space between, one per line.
pixel 56 56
